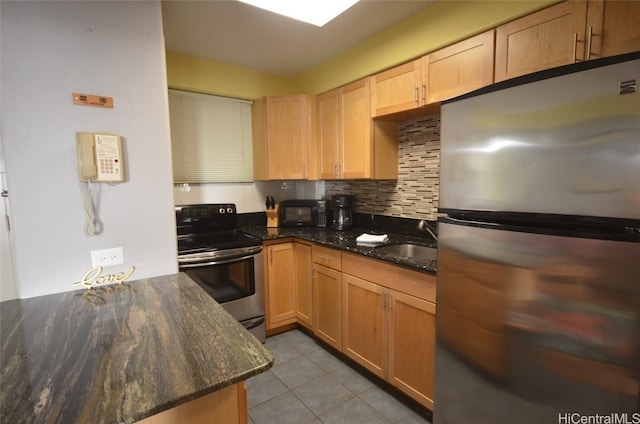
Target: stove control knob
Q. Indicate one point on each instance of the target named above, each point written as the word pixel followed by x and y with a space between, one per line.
pixel 229 210
pixel 221 210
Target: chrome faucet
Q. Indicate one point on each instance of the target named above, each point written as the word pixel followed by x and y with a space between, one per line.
pixel 425 226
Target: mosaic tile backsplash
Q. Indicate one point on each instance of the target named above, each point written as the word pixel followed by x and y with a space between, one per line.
pixel 415 193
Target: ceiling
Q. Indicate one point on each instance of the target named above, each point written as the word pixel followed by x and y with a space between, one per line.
pixel 235 33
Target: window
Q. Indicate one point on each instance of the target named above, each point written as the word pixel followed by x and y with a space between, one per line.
pixel 210 138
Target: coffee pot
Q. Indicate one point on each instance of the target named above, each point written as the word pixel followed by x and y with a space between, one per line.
pixel 342 207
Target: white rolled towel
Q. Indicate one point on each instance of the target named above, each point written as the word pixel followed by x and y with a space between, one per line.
pixel 372 238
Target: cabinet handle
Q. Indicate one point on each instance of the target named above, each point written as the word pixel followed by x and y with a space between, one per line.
pixel 271 256
pixel 589 36
pixel 415 95
pixel 335 170
pixel 575 46
pixel 386 300
pixel 340 170
pixel 424 94
pixel 324 258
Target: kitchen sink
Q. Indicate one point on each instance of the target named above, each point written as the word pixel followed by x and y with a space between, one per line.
pixel 409 250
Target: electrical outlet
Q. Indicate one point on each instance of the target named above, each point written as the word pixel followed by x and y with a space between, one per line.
pixel 107 257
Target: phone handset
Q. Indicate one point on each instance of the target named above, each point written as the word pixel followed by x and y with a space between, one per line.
pixel 99 160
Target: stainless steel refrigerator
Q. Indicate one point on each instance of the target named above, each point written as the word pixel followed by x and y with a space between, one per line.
pixel 538 285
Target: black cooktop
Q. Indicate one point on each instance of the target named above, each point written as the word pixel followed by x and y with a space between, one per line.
pixel 208 242
pixel 210 227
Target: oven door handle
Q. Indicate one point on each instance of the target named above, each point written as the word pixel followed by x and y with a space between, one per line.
pixel 221 262
pixel 218 255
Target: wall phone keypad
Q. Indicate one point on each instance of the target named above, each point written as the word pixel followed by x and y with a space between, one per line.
pixel 107 166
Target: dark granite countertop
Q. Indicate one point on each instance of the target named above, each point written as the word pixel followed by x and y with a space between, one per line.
pixel 119 353
pixel 346 241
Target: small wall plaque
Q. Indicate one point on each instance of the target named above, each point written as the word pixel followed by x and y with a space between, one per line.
pixel 92 100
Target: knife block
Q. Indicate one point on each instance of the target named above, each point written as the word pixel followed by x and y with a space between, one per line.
pixel 272 217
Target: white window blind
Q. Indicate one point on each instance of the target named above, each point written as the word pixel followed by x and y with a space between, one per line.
pixel 210 138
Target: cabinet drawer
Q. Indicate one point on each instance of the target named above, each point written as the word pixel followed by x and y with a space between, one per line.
pixel 391 276
pixel 328 257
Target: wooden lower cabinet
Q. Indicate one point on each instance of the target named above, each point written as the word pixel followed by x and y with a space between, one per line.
pixel 391 334
pixel 364 323
pixel 380 315
pixel 327 317
pixel 280 284
pixel 225 406
pixel 412 333
pixel 288 284
pixel 304 286
pixel 389 323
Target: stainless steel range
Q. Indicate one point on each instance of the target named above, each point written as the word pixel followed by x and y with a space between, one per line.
pixel 224 261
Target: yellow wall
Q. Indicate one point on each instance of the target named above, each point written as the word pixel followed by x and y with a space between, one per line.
pixel 191 73
pixel 436 26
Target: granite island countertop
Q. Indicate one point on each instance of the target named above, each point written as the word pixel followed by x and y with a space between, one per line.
pixel 346 241
pixel 119 353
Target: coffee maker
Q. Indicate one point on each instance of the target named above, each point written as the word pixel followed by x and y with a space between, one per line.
pixel 342 208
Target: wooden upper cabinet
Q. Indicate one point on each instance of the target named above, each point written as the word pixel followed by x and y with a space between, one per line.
pixel 613 27
pixel 397 90
pixel 459 68
pixel 443 74
pixel 545 39
pixel 282 137
pixel 357 146
pixel 328 133
pixel 568 32
pixel 350 144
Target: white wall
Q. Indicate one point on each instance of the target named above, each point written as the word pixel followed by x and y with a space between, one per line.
pixel 113 48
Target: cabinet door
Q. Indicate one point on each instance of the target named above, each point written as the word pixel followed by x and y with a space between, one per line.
pixel 397 90
pixel 304 287
pixel 613 27
pixel 287 136
pixel 459 68
pixel 327 312
pixel 328 118
pixel 356 130
pixel 364 323
pixel 227 405
pixel 412 346
pixel 552 37
pixel 280 285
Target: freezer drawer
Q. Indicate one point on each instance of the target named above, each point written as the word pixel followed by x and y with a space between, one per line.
pixel 532 325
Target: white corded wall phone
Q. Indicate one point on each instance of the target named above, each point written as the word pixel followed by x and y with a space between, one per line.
pixel 99 160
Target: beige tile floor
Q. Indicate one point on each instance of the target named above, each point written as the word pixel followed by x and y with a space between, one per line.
pixel 309 384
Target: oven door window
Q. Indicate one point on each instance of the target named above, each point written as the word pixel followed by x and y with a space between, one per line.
pixel 225 282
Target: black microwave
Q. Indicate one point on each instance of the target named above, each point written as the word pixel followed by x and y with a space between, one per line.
pixel 302 213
